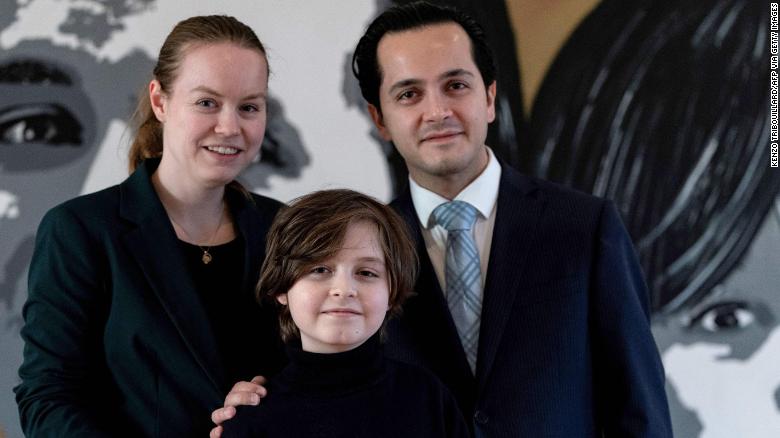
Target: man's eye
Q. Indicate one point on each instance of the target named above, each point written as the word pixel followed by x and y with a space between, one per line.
pixel 406 95
pixel 250 108
pixel 724 316
pixel 42 124
pixel 458 85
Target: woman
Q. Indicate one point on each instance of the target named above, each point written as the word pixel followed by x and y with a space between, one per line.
pixel 140 294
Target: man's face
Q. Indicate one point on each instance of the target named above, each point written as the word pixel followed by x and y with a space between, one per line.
pixel 434 105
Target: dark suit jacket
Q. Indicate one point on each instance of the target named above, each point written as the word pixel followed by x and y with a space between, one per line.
pixel 117 342
pixel 565 347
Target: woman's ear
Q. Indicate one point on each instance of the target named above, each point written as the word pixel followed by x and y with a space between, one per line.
pixel 157 99
pixel 282 299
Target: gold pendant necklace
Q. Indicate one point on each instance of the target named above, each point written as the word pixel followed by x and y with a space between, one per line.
pixel 206 258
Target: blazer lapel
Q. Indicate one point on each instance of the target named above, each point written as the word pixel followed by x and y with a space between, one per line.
pixel 519 207
pixel 251 225
pixel 154 245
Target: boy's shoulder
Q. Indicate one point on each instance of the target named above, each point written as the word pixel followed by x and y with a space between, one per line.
pixel 414 375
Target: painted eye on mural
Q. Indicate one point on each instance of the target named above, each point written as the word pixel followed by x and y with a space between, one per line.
pixel 49 124
pixel 727 315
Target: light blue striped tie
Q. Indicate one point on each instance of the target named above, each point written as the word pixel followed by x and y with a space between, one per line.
pixel 463 276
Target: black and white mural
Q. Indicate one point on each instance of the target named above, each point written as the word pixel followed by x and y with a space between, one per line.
pixel 661 106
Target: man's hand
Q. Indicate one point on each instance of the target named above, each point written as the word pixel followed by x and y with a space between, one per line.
pixel 242 394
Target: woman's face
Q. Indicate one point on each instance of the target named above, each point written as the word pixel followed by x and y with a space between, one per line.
pixel 722 355
pixel 213 115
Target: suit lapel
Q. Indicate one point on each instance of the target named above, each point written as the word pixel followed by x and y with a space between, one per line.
pixel 154 246
pixel 519 208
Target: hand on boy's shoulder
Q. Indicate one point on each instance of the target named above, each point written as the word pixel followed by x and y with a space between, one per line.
pixel 242 394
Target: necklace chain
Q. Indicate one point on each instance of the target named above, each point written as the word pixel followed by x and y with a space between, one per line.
pixel 206 258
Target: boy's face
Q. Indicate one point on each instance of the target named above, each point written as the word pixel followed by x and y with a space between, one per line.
pixel 342 301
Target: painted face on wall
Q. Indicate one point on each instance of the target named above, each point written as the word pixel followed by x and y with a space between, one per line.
pixel 46 122
pixel 721 355
pixel 54 119
pixel 62 111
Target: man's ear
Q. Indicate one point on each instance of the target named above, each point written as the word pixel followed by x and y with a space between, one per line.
pixel 491 101
pixel 376 116
pixel 158 100
pixel 282 299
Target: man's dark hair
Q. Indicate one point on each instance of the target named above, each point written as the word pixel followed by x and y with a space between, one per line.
pixel 365 64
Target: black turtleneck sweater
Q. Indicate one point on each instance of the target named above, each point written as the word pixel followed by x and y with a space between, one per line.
pixel 358 393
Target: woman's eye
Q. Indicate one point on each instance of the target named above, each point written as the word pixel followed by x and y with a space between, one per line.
pixel 206 103
pixel 250 108
pixel 725 316
pixel 319 270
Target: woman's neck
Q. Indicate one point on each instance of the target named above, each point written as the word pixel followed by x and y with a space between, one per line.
pixel 198 215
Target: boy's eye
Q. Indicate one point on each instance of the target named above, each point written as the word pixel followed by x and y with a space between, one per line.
pixel 367 273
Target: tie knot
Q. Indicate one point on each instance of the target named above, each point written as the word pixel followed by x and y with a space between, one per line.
pixel 455 215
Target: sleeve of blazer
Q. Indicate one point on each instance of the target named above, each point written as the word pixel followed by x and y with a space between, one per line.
pixel 64 315
pixel 629 373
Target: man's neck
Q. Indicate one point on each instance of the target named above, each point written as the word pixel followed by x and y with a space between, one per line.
pixel 448 186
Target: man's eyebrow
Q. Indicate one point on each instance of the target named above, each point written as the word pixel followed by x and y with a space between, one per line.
pixel 456 72
pixel 207 90
pixel 403 84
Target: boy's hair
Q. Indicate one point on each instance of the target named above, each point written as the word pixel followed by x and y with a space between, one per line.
pixel 415 15
pixel 312 228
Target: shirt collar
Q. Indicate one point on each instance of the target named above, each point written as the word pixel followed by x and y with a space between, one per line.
pixel 482 193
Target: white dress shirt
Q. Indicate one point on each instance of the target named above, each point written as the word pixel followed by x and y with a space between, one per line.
pixel 482 193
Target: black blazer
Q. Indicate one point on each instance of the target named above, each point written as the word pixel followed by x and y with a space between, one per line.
pixel 117 342
pixel 565 347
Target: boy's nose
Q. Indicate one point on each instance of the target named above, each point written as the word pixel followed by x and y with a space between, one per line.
pixel 343 286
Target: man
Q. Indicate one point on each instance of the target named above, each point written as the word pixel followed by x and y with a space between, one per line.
pixel 564 345
pixel 536 315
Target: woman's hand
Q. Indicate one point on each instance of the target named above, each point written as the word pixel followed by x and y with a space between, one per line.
pixel 242 394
